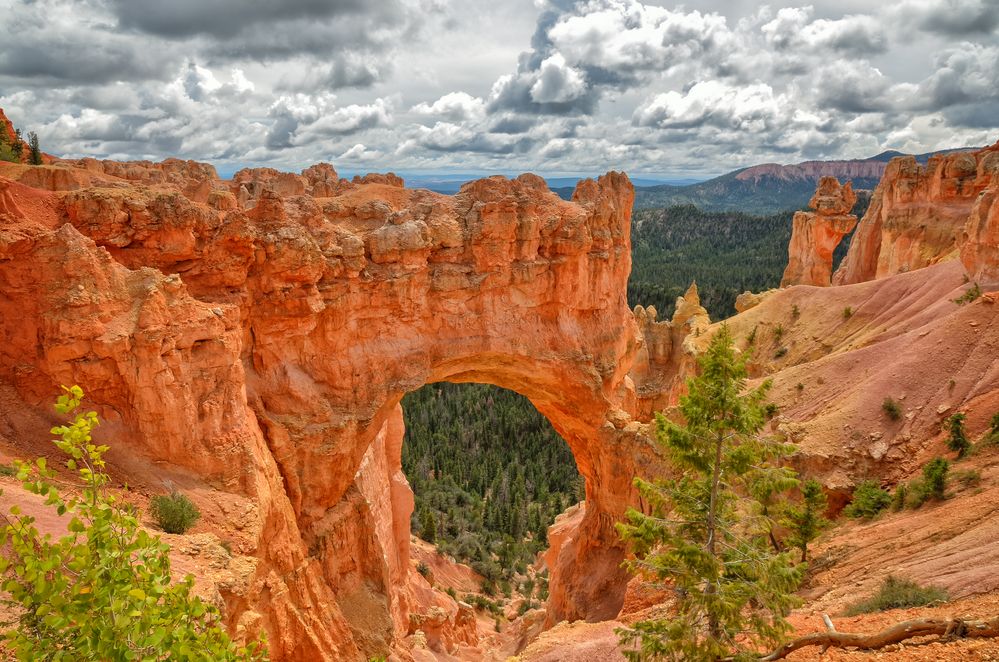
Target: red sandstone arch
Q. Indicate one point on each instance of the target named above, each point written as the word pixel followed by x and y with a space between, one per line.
pixel 268 350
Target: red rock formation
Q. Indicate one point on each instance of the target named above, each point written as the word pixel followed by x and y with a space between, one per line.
pixel 980 239
pixel 917 214
pixel 264 353
pixel 815 235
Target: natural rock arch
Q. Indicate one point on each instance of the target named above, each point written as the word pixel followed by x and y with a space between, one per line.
pixel 269 347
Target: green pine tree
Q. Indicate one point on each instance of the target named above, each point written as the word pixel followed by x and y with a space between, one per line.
pixel 958 441
pixel 429 527
pixel 705 536
pixel 36 150
pixel 806 521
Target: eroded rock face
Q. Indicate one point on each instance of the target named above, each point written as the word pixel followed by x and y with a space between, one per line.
pixel 918 214
pixel 816 234
pixel 980 239
pixel 263 350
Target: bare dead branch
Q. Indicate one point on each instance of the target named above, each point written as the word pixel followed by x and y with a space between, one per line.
pixel 950 628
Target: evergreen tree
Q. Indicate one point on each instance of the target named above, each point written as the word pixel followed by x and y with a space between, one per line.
pixel 429 529
pixel 806 521
pixel 36 150
pixel 958 440
pixel 733 592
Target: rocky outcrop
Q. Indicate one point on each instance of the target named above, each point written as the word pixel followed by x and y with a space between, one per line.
pixel 816 234
pixel 261 350
pixel 918 214
pixel 980 240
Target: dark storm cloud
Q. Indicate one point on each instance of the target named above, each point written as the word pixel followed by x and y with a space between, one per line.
pixel 50 45
pixel 228 19
pixel 956 18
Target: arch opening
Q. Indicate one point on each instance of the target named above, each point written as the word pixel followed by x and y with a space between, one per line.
pixel 489 475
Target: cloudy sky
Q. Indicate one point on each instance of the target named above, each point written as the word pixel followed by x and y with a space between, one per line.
pixel 551 86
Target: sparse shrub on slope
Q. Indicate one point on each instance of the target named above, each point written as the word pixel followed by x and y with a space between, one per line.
pixel 103 591
pixel 868 500
pixel 891 409
pixel 958 440
pixel 896 593
pixel 174 512
pixel 935 478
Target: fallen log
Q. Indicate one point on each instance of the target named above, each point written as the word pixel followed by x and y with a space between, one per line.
pixel 948 628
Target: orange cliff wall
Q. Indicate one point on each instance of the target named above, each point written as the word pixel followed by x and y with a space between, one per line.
pixel 918 214
pixel 258 341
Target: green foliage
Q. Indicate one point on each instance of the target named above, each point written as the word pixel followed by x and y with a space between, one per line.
pixel 707 531
pixel 36 150
pixel 423 569
pixel 935 478
pixel 868 500
pixel 891 408
pixel 428 526
pixel 8 470
pixel 900 497
pixel 806 520
pixel 896 593
pixel 780 353
pixel 174 512
pixel 795 312
pixel 968 477
pixel 969 295
pixel 847 313
pixel 958 440
pixel 726 253
pixel 488 472
pixel 778 332
pixel 104 590
pixel 9 153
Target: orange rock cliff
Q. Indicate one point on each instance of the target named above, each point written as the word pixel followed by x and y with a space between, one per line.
pixel 815 235
pixel 253 339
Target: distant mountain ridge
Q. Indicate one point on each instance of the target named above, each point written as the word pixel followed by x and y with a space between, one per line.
pixel 770 187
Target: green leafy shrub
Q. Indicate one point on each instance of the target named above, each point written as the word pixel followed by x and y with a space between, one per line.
pixel 780 352
pixel 900 497
pixel 795 311
pixel 896 593
pixel 958 440
pixel 969 295
pixel 174 512
pixel 968 477
pixel 847 313
pixel 891 408
pixel 778 332
pixel 423 569
pixel 8 470
pixel 868 500
pixel 935 478
pixel 103 591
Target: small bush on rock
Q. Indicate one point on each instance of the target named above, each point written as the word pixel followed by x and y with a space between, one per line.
pixel 896 593
pixel 868 500
pixel 174 512
pixel 891 409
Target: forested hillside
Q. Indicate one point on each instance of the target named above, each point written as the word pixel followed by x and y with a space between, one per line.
pixel 489 473
pixel 727 253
